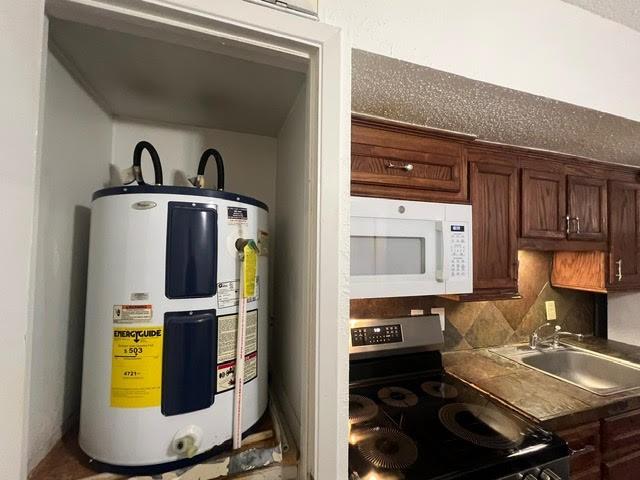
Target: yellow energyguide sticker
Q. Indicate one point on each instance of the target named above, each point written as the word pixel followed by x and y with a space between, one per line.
pixel 136 367
pixel 250 266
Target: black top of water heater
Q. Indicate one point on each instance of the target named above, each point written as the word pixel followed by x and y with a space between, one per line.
pixel 163 189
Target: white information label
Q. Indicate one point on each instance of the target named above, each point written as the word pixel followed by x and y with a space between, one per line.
pixel 227 327
pixel 228 293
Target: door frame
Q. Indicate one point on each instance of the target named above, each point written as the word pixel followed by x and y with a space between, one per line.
pixel 283 37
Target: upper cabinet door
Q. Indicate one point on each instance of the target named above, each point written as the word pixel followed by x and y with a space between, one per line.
pixel 624 235
pixel 543 204
pixel 494 197
pixel 587 205
pixel 405 163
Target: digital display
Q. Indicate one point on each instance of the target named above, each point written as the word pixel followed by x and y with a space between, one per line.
pixel 377 330
pixel 457 228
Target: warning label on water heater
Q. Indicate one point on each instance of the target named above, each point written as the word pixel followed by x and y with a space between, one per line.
pixel 132 313
pixel 136 367
pixel 227 331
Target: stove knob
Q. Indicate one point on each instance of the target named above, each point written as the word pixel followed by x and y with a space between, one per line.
pixel 530 477
pixel 548 474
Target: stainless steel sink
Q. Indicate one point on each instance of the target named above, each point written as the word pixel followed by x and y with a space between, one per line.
pixel 596 373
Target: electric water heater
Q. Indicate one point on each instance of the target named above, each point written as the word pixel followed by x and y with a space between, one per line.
pixel 161 320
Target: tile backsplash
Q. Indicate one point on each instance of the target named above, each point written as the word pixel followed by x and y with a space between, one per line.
pixel 486 324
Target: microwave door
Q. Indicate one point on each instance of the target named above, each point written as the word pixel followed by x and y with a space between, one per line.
pixel 394 258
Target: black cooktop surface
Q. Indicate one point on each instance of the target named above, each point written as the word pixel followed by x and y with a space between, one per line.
pixel 432 426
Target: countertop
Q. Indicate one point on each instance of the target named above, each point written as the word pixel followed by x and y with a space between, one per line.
pixel 554 404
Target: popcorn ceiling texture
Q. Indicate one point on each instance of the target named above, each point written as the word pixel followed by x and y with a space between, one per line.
pixel 407 92
pixel 487 324
pixel 626 12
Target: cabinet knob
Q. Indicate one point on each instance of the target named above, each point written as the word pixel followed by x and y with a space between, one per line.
pixel 579 451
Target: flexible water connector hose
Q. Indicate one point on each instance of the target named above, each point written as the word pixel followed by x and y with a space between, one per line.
pixel 155 159
pixel 210 152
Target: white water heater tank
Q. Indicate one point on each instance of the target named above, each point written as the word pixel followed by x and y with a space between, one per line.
pixel 162 304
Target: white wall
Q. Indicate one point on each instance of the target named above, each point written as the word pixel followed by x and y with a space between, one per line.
pixel 76 151
pixel 544 47
pixel 21 58
pixel 622 313
pixel 290 324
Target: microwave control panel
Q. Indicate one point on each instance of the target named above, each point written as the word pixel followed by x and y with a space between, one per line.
pixel 376 335
pixel 458 255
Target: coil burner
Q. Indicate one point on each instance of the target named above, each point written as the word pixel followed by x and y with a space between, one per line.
pixel 481 425
pixel 361 409
pixel 387 449
pixel 439 390
pixel 397 397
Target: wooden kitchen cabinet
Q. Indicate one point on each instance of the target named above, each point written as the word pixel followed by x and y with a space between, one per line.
pixel 608 449
pixel 397 161
pixel 617 270
pixel 621 446
pixel 580 271
pixel 543 204
pixel 621 433
pixel 587 208
pixel 584 442
pixel 563 207
pixel 624 235
pixel 586 213
pixel 623 468
pixel 494 197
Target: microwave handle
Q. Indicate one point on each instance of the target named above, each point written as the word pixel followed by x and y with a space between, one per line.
pixel 442 272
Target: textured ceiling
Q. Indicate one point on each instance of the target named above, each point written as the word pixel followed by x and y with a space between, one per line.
pixel 625 12
pixel 407 92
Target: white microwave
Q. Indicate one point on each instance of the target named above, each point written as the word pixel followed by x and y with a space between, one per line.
pixel 403 248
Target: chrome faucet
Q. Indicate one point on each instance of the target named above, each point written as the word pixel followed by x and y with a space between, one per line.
pixel 552 340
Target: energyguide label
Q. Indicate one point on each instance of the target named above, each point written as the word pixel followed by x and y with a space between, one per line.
pixel 136 367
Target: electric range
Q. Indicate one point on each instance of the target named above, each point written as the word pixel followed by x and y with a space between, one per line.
pixel 409 420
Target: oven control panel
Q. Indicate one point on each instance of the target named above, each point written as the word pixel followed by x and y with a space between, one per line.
pixel 376 335
pixel 370 337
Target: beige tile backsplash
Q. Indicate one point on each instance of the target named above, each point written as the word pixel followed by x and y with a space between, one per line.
pixel 485 324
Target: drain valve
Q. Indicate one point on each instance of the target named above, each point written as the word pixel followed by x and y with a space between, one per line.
pixel 187 441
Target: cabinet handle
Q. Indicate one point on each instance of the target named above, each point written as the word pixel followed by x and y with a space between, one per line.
pixel 578 451
pixel 406 167
pixel 568 219
pixel 578 224
pixel 619 274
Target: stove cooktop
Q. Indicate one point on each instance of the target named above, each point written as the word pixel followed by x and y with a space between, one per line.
pixel 432 426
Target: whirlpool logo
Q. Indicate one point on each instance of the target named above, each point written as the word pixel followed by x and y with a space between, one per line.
pixel 137 334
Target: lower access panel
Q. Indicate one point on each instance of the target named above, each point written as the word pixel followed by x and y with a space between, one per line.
pixel 189 361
